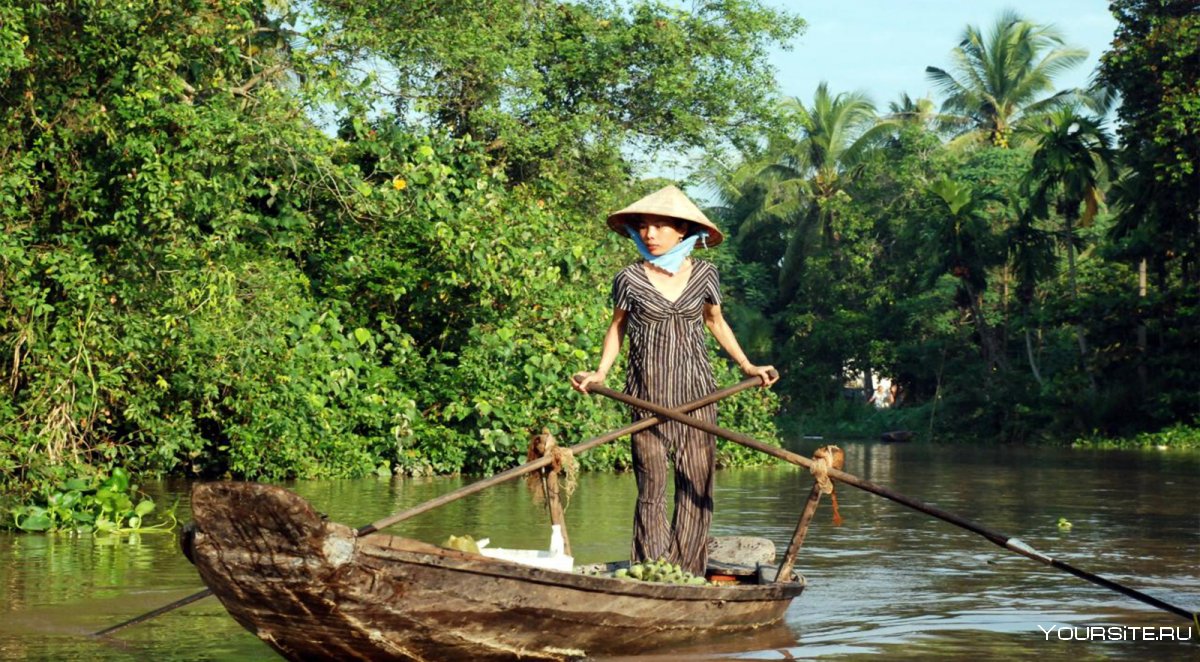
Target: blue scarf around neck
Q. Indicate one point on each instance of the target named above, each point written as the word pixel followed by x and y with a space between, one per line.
pixel 672 260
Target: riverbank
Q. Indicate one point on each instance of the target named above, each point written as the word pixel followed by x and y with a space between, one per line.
pixel 1177 436
pixel 855 420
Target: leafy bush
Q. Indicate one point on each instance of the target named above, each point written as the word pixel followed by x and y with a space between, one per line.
pixel 104 504
pixel 1178 436
pixel 197 279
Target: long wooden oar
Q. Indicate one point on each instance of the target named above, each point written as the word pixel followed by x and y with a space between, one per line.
pixel 479 486
pixel 1009 543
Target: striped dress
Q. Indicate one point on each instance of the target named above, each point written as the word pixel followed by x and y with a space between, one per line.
pixel 668 365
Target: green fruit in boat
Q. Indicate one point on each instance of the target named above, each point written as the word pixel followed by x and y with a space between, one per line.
pixel 462 544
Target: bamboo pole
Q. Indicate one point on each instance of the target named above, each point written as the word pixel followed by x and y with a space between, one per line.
pixel 556 510
pixel 789 557
pixel 546 445
pixel 1012 544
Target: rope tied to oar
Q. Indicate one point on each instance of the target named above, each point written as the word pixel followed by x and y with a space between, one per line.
pixel 562 462
pixel 826 458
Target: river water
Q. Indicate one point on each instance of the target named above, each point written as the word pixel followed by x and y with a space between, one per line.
pixel 888 582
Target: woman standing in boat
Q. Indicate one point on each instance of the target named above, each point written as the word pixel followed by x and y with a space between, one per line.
pixel 663 303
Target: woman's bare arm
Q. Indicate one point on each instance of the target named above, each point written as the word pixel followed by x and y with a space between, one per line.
pixel 608 353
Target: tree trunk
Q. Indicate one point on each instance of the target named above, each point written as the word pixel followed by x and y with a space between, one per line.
pixel 992 354
pixel 937 394
pixel 1069 218
pixel 1143 382
pixel 1032 362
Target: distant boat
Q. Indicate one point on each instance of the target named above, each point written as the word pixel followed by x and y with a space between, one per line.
pixel 897 436
pixel 311 589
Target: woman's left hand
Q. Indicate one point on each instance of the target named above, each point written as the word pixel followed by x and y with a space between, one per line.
pixel 766 373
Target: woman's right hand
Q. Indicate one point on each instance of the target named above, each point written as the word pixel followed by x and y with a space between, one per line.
pixel 580 381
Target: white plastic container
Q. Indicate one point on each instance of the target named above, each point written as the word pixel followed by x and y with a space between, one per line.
pixel 554 559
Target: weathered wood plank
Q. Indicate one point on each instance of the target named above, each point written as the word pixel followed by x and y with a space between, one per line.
pixel 312 589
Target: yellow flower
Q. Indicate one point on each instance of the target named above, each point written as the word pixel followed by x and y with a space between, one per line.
pixel 399 184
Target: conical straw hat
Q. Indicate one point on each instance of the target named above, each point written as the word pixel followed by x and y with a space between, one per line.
pixel 669 201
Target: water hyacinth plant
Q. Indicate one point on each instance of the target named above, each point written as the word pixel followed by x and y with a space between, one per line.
pixel 103 504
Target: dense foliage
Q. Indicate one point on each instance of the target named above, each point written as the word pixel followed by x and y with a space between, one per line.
pixel 225 251
pixel 990 259
pixel 101 504
pixel 264 239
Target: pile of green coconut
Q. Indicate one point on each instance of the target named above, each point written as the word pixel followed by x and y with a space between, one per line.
pixel 658 571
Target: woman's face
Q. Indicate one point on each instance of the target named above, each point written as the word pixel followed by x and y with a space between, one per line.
pixel 660 233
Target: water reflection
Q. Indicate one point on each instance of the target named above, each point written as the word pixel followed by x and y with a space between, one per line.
pixel 888 581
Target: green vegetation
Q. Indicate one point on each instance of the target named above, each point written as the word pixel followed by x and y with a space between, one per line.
pixel 1003 80
pixel 227 251
pixel 1177 436
pixel 264 239
pixel 655 571
pixel 104 504
pixel 1020 273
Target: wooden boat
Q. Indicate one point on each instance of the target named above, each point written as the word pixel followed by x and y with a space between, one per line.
pixel 896 436
pixel 313 589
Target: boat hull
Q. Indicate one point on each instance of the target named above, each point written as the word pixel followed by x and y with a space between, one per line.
pixel 312 589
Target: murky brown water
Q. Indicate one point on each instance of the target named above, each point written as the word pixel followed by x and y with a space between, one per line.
pixel 889 581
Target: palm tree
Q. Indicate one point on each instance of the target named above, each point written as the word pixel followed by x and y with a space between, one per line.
pixel 748 196
pixel 753 230
pixel 1072 159
pixel 785 188
pixel 1001 79
pixel 1135 197
pixel 921 112
pixel 810 170
pixel 1031 254
pixel 785 202
pixel 960 242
